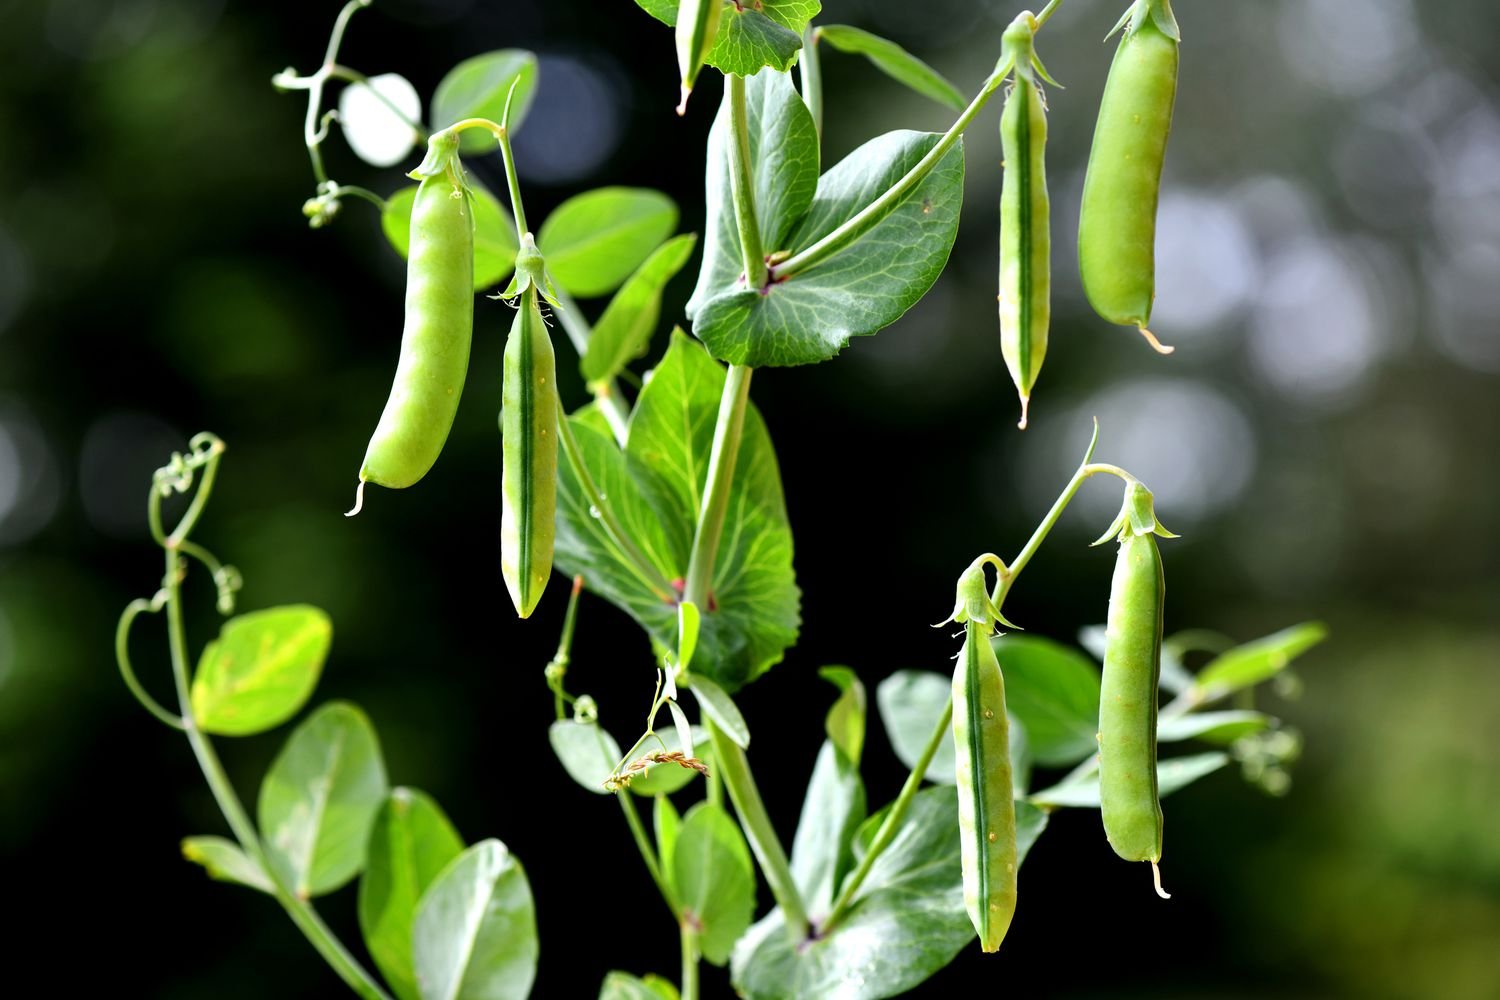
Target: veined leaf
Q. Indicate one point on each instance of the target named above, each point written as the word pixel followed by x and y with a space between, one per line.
pixel 713 879
pixel 593 241
pixel 478 87
pixel 895 62
pixel 260 670
pixel 474 937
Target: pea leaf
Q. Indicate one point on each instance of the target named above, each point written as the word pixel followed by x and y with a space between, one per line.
pixel 667 825
pixel 1172 774
pixel 751 35
pixel 593 241
pixel 587 752
pixel 713 879
pixel 1213 727
pixel 664 11
pixel 831 811
pixel 907 922
pixel 624 331
pixel 474 937
pixel 624 986
pixel 368 114
pixel 810 316
pixel 655 490
pixel 718 706
pixel 1256 661
pixel 261 669
pixel 895 62
pixel 784 158
pixel 845 722
pixel 478 88
pixel 319 799
pixel 226 862
pixel 412 842
pixel 494 232
pixel 910 704
pixel 1054 691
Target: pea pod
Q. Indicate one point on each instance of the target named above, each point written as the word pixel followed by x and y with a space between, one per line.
pixel 1025 216
pixel 1117 222
pixel 1128 794
pixel 528 424
pixel 439 326
pixel 981 752
pixel 697 27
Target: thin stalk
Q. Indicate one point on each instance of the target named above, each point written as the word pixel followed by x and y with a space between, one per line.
pixel 742 182
pixel 810 69
pixel 612 527
pixel 726 447
pixel 892 822
pixel 756 823
pixel 689 989
pixel 643 844
pixel 875 212
pixel 1047 12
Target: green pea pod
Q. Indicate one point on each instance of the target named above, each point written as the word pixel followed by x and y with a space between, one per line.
pixel 439 327
pixel 1128 794
pixel 986 809
pixel 697 27
pixel 1117 222
pixel 1025 218
pixel 528 423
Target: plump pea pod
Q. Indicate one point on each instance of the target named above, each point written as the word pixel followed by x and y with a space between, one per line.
pixel 1025 218
pixel 1128 695
pixel 697 27
pixel 981 745
pixel 1117 223
pixel 439 326
pixel 528 424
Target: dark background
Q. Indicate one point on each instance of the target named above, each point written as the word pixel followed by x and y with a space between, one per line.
pixel 1323 439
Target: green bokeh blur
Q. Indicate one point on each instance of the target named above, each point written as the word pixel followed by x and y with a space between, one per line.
pixel 1323 439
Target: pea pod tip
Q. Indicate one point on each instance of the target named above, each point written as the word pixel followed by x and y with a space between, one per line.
pixel 1025 412
pixel 1156 878
pixel 1156 345
pixel 359 499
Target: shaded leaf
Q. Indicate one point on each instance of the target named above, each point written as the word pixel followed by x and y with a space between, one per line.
pixel 593 241
pixel 713 879
pixel 624 331
pixel 587 752
pixel 474 937
pixel 831 811
pixel 911 702
pixel 895 62
pixel 1054 691
pixel 260 670
pixel 1171 775
pixel 226 862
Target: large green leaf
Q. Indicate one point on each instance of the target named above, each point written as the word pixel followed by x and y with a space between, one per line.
pixel 713 879
pixel 810 316
pixel 494 232
pixel 624 331
pixel 894 61
pixel 260 670
pixel 907 921
pixel 1054 691
pixel 911 702
pixel 1172 775
pixel 831 811
pixel 655 490
pixel 587 752
pixel 1256 661
pixel 319 799
pixel 784 157
pixel 225 862
pixel 412 842
pixel 478 88
pixel 474 937
pixel 751 35
pixel 593 241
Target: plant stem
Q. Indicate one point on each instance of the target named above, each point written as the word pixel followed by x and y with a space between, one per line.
pixel 627 549
pixel 735 769
pixel 606 394
pixel 689 963
pixel 892 822
pixel 742 182
pixel 643 844
pixel 300 910
pixel 1047 11
pixel 810 69
pixel 875 212
pixel 726 447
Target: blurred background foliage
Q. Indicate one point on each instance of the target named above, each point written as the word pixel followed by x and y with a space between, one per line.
pixel 1323 440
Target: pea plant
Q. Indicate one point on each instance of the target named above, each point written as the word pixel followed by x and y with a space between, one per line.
pixel 661 495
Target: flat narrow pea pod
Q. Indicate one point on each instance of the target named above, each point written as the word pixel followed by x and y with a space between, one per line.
pixel 1117 223
pixel 528 424
pixel 439 326
pixel 986 810
pixel 697 27
pixel 1128 695
pixel 1025 218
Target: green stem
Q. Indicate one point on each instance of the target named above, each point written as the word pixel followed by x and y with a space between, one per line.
pixel 647 573
pixel 557 669
pixel 875 212
pixel 122 657
pixel 1047 12
pixel 689 963
pixel 810 69
pixel 643 844
pixel 742 183
pixel 726 447
pixel 606 394
pixel 892 821
pixel 735 769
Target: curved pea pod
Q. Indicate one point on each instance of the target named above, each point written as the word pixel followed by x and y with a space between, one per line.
pixel 1117 222
pixel 986 809
pixel 439 326
pixel 697 28
pixel 528 423
pixel 1025 218
pixel 1128 796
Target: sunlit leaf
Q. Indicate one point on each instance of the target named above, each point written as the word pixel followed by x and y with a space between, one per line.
pixel 226 862
pixel 593 241
pixel 379 118
pixel 478 88
pixel 260 670
pixel 895 62
pixel 474 937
